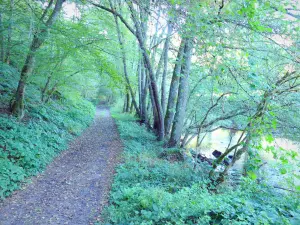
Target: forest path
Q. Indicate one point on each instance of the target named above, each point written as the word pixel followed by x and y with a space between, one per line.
pixel 75 187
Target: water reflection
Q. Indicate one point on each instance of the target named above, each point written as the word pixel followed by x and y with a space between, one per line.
pixel 217 140
pixel 220 140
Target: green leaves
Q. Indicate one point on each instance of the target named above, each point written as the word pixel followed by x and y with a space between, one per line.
pixel 252 10
pixel 249 8
pixel 30 147
pixel 10 177
pixel 150 190
pixel 252 175
pixel 256 25
pixel 174 2
pixel 26 148
pixel 283 171
pixel 269 138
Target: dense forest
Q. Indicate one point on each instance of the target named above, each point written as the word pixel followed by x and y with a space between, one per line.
pixel 205 95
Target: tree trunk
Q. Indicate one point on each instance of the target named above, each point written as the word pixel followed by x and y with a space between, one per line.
pixel 120 38
pixel 139 74
pixel 145 82
pixel 124 105
pixel 18 104
pixel 165 70
pixel 45 88
pixel 38 39
pixel 1 39
pixel 151 73
pixel 182 96
pixel 31 26
pixel 9 32
pixel 250 129
pixel 127 101
pixel 47 10
pixel 154 111
pixel 143 91
pixel 51 92
pixel 173 92
pixel 131 106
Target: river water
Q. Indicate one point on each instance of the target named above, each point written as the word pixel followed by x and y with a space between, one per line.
pixel 220 139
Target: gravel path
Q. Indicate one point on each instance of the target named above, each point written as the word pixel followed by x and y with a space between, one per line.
pixel 74 188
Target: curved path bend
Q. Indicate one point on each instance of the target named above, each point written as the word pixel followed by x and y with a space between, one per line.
pixel 75 187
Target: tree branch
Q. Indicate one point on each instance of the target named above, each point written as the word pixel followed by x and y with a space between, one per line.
pixel 115 13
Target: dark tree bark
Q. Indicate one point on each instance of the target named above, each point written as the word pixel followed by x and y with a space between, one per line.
pixel 182 96
pixel 127 101
pixel 131 106
pixel 154 42
pixel 38 39
pixel 173 92
pixel 51 92
pixel 143 91
pixel 46 88
pixel 154 109
pixel 145 85
pixel 148 65
pixel 57 65
pixel 46 10
pixel 139 76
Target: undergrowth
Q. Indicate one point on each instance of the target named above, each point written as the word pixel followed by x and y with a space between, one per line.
pixel 148 189
pixel 27 147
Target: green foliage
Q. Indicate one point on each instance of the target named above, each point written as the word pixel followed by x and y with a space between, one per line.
pixel 27 147
pixel 150 190
pixel 10 176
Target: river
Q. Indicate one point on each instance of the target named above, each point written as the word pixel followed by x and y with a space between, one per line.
pixel 272 168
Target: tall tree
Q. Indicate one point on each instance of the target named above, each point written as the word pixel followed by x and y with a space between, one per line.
pixel 173 91
pixel 182 95
pixel 144 92
pixel 153 84
pixel 9 32
pixel 39 37
pixel 139 34
pixel 165 69
pixel 124 60
pixel 1 39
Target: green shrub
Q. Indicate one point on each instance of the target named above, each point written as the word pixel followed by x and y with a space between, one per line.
pixel 149 189
pixel 10 176
pixel 32 145
pixel 27 147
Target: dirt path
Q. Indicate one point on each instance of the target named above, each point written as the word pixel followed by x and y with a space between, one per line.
pixel 75 186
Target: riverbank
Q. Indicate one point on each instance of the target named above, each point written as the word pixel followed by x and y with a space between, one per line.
pixel 150 188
